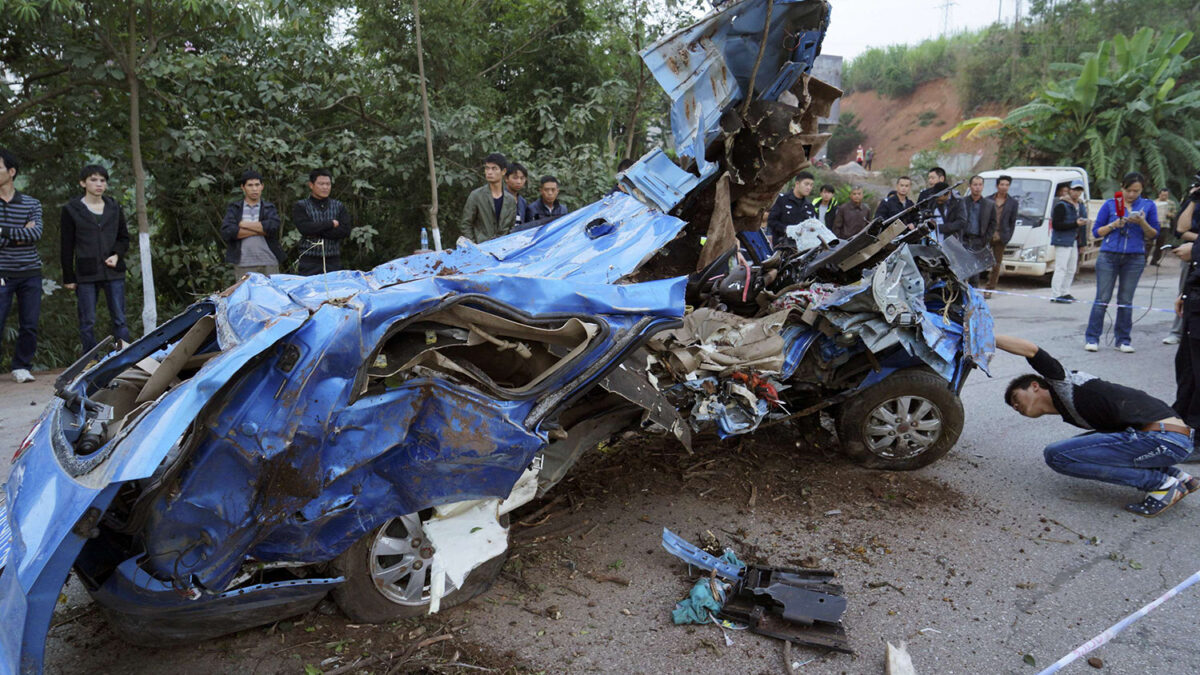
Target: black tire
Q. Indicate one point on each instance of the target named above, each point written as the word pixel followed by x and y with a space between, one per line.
pixel 902 447
pixel 365 599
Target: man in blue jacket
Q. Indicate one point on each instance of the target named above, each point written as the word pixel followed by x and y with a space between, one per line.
pixel 251 230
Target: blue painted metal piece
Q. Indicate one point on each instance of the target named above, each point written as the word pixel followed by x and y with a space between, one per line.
pixel 687 552
pixel 147 611
pixel 797 338
pixel 979 338
pixel 5 529
pixel 657 178
pixel 706 67
pixel 297 468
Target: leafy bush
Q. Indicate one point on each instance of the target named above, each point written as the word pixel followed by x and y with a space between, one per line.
pixel 845 139
pixel 896 71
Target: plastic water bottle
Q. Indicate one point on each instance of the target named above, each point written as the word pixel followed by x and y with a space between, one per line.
pixel 424 239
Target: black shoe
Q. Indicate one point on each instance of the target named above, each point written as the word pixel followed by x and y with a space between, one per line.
pixel 1158 501
pixel 1069 298
pixel 1060 299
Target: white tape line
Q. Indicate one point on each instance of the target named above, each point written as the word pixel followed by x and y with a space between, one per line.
pixel 1081 302
pixel 1122 625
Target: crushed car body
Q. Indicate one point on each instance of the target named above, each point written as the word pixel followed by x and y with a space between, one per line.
pixel 365 434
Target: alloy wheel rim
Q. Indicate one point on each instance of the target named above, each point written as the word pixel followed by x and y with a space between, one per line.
pixel 903 427
pixel 401 559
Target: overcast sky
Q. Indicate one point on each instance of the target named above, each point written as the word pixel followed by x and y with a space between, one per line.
pixel 858 25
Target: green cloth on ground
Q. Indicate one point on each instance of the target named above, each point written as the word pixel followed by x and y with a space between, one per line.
pixel 700 603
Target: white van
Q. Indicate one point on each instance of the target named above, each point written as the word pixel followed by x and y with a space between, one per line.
pixel 1029 252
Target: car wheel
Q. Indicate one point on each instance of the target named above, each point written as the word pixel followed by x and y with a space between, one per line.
pixel 909 420
pixel 387 574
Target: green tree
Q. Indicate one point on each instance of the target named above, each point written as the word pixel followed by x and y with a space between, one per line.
pixel 83 43
pixel 1122 109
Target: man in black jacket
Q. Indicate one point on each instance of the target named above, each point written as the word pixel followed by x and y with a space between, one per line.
pixel 980 215
pixel 546 208
pixel 94 241
pixel 251 231
pixel 935 176
pixel 949 219
pixel 897 201
pixel 791 208
pixel 1006 222
pixel 323 223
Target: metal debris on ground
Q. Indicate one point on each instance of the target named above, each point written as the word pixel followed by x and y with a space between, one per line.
pixel 800 606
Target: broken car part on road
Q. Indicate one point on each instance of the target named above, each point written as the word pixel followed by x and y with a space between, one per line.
pixel 366 434
pixel 800 606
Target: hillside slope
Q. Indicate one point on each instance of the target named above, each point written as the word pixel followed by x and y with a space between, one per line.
pixel 898 128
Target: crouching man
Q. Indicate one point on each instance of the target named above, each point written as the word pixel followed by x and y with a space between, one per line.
pixel 1137 438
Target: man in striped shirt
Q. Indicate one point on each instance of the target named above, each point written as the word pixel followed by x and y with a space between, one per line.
pixel 20 266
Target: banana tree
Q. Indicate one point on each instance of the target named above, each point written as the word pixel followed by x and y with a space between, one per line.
pixel 1123 108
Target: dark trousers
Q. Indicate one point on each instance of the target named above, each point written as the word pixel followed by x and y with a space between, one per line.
pixel 86 295
pixel 998 254
pixel 28 292
pixel 312 265
pixel 1154 246
pixel 1187 359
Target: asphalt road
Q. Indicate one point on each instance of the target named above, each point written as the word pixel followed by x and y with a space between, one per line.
pixel 977 561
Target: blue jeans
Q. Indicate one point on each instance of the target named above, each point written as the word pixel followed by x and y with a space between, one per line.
pixel 1122 270
pixel 1134 458
pixel 86 296
pixel 28 291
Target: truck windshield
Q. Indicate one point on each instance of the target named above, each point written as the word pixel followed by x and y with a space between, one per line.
pixel 1032 194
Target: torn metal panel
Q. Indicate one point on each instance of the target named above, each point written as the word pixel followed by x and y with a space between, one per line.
pixel 657 180
pixel 154 613
pixel 638 232
pixel 717 342
pixel 709 65
pixel 634 387
pixel 979 339
pixel 693 556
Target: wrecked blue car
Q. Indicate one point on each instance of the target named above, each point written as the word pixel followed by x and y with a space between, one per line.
pixel 366 434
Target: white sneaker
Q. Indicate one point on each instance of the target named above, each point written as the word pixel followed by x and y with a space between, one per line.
pixel 1171 340
pixel 21 375
pixel 1091 347
pixel 1127 349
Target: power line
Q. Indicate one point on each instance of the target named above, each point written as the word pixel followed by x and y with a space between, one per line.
pixel 945 7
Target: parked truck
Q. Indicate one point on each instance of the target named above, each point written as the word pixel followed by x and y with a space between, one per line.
pixel 1029 252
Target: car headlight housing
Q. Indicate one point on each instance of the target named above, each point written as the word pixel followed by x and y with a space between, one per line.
pixel 1034 254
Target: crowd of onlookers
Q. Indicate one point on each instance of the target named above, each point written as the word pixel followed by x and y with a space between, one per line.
pixel 980 222
pixel 95 239
pixel 1132 231
pixel 498 207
